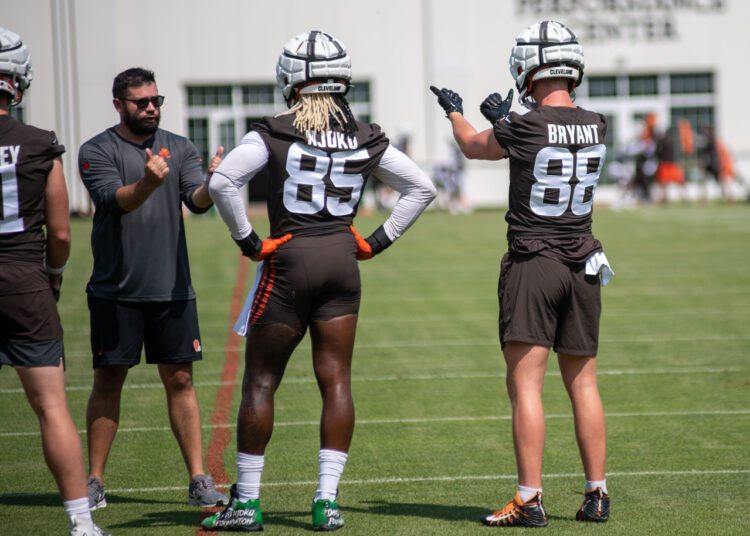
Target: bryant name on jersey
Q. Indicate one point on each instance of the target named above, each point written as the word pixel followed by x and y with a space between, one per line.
pixel 573 134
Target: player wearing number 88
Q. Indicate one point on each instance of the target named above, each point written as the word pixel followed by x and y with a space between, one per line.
pixel 319 158
pixel 549 290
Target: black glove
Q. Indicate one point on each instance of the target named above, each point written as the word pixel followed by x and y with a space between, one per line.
pixel 250 245
pixel 494 107
pixel 56 294
pixel 449 100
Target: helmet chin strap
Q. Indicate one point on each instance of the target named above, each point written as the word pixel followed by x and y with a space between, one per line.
pixel 9 85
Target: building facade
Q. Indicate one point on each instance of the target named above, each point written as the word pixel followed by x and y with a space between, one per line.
pixel 215 61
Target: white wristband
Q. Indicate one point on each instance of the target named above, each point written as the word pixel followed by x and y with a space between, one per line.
pixel 54 271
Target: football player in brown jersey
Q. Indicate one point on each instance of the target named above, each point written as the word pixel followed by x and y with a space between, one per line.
pixel 549 290
pixel 34 249
pixel 319 158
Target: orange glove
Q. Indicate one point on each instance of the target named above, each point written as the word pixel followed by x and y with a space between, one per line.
pixel 269 245
pixel 364 249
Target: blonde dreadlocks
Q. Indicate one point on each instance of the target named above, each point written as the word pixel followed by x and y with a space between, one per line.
pixel 316 112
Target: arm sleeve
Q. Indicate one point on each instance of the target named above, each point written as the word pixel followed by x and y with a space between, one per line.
pixel 191 177
pixel 100 177
pixel 417 191
pixel 235 171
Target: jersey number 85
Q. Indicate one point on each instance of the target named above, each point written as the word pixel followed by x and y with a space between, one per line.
pixel 308 167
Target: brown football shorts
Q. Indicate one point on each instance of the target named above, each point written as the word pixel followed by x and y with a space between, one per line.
pixel 308 278
pixel 30 331
pixel 548 303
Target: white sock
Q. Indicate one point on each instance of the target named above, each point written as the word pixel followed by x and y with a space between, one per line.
pixel 249 471
pixel 332 464
pixel 591 485
pixel 527 493
pixel 78 508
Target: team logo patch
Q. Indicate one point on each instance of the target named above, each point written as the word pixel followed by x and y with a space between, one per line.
pixel 86 165
pixel 197 345
pixel 164 153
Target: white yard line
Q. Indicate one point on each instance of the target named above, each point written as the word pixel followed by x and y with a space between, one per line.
pixel 415 377
pixel 416 480
pixel 424 420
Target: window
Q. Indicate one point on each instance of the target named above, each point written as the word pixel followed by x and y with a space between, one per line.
pixel 642 85
pixel 602 86
pixel 17 112
pixel 681 84
pixel 209 96
pixel 198 134
pixel 258 94
pixel 700 117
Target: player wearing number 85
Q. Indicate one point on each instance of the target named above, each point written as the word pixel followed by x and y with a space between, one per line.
pixel 319 158
pixel 549 290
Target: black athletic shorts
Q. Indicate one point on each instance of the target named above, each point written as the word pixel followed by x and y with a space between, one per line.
pixel 120 330
pixel 549 303
pixel 308 278
pixel 30 331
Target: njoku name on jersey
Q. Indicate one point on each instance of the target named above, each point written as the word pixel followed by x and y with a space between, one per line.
pixel 331 140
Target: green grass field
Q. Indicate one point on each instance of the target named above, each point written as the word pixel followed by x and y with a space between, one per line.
pixel 432 449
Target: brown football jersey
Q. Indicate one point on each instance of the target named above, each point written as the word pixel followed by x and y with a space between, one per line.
pixel 556 156
pixel 317 179
pixel 26 156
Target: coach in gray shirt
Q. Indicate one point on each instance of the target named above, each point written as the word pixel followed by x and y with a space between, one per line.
pixel 140 292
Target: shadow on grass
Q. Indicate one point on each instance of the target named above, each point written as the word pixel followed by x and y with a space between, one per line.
pixel 443 512
pixel 53 499
pixel 174 518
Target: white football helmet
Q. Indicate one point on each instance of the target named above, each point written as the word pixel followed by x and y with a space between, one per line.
pixel 548 49
pixel 15 63
pixel 316 61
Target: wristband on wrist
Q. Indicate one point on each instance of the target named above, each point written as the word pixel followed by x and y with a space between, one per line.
pixel 250 245
pixel 378 240
pixel 53 271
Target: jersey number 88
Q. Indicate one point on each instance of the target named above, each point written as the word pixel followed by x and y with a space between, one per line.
pixel 574 164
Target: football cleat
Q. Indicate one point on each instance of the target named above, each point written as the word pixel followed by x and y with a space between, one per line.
pixel 238 516
pixel 84 527
pixel 202 492
pixel 595 507
pixel 326 515
pixel 519 514
pixel 95 490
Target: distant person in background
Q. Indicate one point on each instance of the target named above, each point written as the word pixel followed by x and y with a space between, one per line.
pixel 716 162
pixel 672 148
pixel 140 292
pixel 646 162
pixel 35 203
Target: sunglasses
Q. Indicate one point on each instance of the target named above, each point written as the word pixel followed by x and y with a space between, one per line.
pixel 143 103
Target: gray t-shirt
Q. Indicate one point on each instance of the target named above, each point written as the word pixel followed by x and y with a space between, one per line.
pixel 140 255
